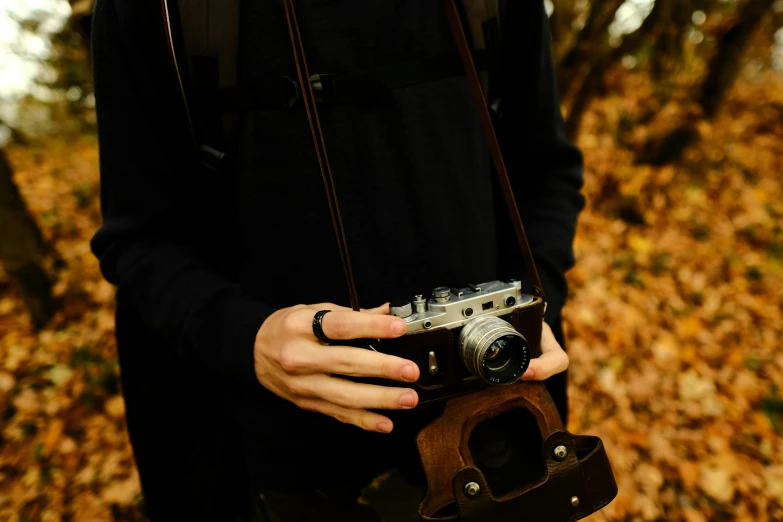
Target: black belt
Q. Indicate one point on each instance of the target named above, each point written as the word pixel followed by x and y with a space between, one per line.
pixel 356 88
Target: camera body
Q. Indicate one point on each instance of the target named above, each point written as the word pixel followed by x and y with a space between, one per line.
pixel 467 339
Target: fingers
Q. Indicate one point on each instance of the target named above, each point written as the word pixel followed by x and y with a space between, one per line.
pixel 358 325
pixel 553 359
pixel 344 360
pixel 343 323
pixel 290 364
pixel 546 366
pixel 364 419
pixel 352 395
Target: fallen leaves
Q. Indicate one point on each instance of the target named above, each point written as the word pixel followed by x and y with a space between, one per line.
pixel 717 483
pixel 64 451
pixel 7 382
pixel 53 435
pixel 123 492
pixel 115 407
pixel 675 320
pixel 773 482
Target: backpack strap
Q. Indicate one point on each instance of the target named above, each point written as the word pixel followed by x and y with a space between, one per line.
pixel 483 21
pixel 205 55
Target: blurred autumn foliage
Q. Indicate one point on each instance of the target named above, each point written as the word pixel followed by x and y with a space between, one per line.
pixel 676 311
pixel 676 314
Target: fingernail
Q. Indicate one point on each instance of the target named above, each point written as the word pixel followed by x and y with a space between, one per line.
pixel 409 373
pixel 398 327
pixel 408 400
pixel 384 426
pixel 529 374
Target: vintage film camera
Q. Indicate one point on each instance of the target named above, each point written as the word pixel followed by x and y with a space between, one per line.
pixel 467 339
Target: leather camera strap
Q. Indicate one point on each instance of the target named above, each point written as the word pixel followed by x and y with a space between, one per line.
pixel 492 141
pixel 309 102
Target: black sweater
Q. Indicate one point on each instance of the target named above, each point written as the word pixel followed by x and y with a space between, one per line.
pixel 417 193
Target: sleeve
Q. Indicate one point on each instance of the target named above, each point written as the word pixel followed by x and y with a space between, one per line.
pixel 152 242
pixel 545 169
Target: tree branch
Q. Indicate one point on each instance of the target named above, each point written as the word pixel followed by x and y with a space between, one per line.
pixel 590 39
pixel 722 70
pixel 593 80
pixel 724 65
pixel 22 248
pixel 16 136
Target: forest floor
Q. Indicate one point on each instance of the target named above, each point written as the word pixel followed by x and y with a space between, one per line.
pixel 674 324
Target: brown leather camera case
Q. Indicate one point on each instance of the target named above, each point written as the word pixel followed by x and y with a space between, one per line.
pixel 578 481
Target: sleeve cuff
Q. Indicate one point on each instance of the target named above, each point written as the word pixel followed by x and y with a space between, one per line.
pixel 555 289
pixel 226 329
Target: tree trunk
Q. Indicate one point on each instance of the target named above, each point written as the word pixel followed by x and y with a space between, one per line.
pixel 722 70
pixel 590 40
pixel 16 136
pixel 724 66
pixel 81 21
pixel 23 249
pixel 560 26
pixel 667 49
pixel 604 59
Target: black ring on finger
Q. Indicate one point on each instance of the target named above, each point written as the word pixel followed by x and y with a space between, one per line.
pixel 318 328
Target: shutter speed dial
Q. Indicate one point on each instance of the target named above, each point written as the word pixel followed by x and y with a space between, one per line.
pixel 401 309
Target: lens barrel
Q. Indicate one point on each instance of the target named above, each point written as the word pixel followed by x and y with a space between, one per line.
pixel 491 349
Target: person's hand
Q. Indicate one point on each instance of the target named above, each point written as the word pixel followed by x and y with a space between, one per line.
pixel 294 365
pixel 553 358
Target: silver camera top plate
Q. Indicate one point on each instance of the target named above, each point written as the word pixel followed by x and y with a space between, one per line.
pixel 453 307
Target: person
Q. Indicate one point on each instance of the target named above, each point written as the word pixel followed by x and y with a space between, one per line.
pixel 229 394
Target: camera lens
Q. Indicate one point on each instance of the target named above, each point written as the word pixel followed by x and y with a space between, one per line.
pixel 491 349
pixel 498 355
